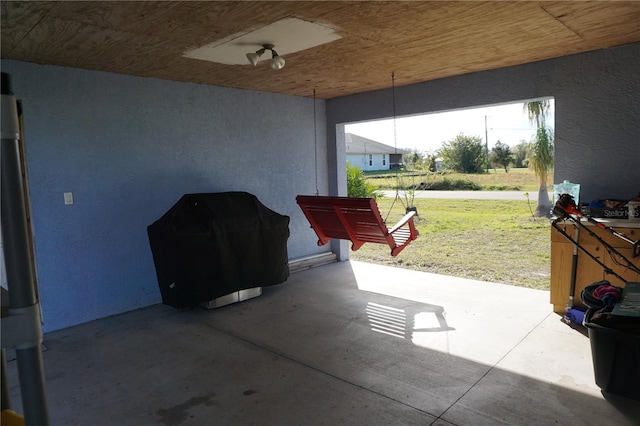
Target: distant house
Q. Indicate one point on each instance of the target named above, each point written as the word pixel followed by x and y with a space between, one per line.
pixel 371 155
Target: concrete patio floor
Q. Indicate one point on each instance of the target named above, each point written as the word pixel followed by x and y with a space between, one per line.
pixel 345 343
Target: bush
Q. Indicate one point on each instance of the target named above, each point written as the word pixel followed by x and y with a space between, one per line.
pixel 502 188
pixel 450 185
pixel 357 186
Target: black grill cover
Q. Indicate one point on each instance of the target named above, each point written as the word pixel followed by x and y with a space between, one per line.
pixel 211 245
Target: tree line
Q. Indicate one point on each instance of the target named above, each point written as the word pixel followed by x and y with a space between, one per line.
pixel 467 154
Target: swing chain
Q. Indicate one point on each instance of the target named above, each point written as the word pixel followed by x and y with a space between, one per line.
pixel 395 139
pixel 315 139
pixel 391 208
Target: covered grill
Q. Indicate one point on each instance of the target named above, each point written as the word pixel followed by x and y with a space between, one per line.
pixel 209 246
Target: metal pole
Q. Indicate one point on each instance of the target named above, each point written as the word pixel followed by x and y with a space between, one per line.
pixel 19 267
pixel 6 400
pixel 486 141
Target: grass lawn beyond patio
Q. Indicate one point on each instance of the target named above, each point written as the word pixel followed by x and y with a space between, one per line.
pixel 497 241
pixel 494 180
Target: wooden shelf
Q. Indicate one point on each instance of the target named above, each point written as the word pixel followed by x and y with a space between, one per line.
pixel 588 270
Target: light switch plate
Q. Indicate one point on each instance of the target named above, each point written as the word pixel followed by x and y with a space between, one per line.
pixel 68 198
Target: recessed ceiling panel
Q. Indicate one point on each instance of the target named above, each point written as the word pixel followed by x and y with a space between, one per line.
pixel 288 35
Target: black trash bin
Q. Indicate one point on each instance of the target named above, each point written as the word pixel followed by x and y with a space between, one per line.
pixel 214 244
pixel 616 357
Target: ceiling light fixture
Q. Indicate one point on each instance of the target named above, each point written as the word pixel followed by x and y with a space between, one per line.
pixel 277 61
pixel 255 57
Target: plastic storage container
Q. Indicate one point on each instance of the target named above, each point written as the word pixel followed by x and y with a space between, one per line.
pixel 616 359
pixel 566 187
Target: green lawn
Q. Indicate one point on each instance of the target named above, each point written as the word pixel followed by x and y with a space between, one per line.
pixel 494 180
pixel 487 240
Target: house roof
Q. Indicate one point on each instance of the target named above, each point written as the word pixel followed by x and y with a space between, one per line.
pixel 416 40
pixel 358 145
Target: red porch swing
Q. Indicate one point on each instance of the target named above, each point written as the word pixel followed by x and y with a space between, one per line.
pixel 355 219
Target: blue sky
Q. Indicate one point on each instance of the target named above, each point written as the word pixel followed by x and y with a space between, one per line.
pixel 507 123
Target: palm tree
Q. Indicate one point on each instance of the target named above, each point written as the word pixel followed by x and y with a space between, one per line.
pixel 540 153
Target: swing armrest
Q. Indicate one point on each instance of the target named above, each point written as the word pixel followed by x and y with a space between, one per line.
pixel 400 235
pixel 408 218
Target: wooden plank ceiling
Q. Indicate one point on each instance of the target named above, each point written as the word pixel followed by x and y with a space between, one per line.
pixel 418 41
